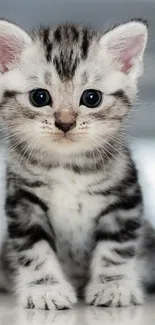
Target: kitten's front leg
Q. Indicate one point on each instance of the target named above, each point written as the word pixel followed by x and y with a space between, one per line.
pixel 41 283
pixel 113 277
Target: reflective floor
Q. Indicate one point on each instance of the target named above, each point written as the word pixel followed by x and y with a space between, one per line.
pixel 80 315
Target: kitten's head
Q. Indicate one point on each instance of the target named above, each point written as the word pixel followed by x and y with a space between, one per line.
pixel 67 90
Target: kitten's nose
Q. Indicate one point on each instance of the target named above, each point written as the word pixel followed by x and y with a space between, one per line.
pixel 65 127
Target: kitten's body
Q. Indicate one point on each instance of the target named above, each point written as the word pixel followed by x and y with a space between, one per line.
pixel 74 205
pixel 83 195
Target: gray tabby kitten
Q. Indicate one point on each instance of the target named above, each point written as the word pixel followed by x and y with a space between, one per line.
pixel 74 206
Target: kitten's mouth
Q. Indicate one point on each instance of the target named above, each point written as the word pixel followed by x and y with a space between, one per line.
pixel 68 137
pixel 65 138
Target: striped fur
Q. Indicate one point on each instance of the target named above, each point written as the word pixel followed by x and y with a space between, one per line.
pixel 74 204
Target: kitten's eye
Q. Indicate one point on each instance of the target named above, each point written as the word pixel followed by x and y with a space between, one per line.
pixel 91 98
pixel 40 97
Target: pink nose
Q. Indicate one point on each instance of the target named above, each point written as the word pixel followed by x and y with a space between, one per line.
pixel 65 127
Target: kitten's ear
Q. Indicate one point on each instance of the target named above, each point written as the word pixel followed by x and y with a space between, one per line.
pixel 13 40
pixel 125 44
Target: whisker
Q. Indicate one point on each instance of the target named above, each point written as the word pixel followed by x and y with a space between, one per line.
pixel 94 154
pixel 17 144
pixel 34 141
pixel 102 146
pixel 12 135
pixel 25 149
pixel 120 153
pixel 118 140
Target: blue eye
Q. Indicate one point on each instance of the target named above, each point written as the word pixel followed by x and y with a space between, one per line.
pixel 91 98
pixel 40 97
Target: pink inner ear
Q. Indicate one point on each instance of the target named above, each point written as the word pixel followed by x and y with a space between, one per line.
pixel 127 50
pixel 10 49
pixel 132 51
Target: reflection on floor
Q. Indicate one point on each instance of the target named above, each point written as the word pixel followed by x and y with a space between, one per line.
pixel 80 315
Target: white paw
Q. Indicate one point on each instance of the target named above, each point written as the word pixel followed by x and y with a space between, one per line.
pixel 118 293
pixel 57 296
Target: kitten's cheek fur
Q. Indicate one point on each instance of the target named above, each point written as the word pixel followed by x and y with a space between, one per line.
pixel 119 293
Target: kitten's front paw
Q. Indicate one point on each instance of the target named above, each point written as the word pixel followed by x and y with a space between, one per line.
pixel 118 293
pixel 57 296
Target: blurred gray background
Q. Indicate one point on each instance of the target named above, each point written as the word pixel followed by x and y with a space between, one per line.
pixel 100 14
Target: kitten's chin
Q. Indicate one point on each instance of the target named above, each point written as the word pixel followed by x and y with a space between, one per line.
pixel 65 145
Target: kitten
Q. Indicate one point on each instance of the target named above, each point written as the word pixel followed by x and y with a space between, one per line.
pixel 74 205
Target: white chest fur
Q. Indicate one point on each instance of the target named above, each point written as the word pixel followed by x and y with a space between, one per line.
pixel 72 213
pixel 72 208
